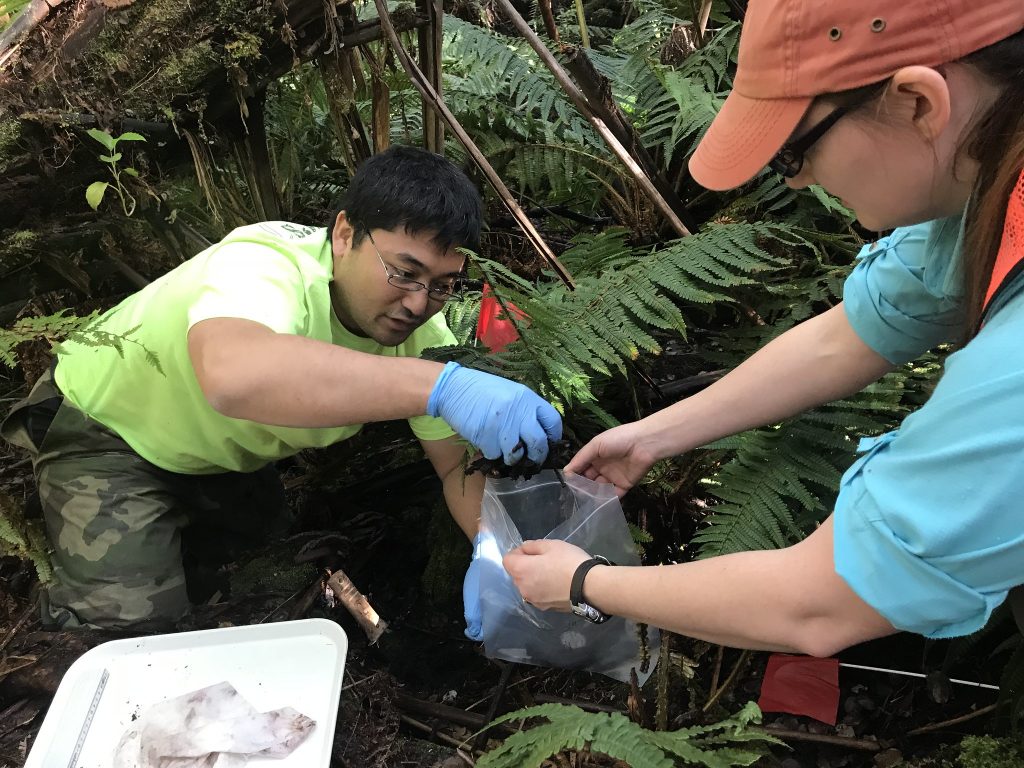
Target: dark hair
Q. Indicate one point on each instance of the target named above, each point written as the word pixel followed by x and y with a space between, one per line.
pixel 415 190
pixel 997 144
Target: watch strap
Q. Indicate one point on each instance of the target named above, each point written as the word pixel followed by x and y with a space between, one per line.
pixel 576 586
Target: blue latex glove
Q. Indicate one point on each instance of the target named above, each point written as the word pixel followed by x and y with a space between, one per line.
pixel 496 415
pixel 485 555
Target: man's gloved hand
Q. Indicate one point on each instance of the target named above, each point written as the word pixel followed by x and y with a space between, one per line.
pixel 496 415
pixel 485 555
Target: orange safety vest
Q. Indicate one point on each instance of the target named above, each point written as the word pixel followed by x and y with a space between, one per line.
pixel 1010 259
pixel 1009 265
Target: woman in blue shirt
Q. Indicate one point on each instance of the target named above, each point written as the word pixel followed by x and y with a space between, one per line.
pixel 910 113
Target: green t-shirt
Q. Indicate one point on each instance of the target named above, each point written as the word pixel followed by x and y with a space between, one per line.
pixel 274 273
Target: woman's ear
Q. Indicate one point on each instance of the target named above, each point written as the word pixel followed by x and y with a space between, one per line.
pixel 928 89
pixel 341 236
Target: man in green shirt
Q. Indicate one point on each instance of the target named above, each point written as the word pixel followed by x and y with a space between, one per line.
pixel 279 337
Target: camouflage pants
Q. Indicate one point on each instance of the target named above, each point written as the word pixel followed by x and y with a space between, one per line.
pixel 125 533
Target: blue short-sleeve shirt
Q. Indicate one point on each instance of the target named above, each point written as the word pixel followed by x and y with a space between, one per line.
pixel 905 295
pixel 929 523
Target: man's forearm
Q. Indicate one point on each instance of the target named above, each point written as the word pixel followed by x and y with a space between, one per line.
pixel 250 372
pixel 816 362
pixel 464 494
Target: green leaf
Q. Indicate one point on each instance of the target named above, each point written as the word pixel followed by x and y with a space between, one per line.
pixel 831 203
pixel 94 194
pixel 129 137
pixel 111 158
pixel 130 171
pixel 103 138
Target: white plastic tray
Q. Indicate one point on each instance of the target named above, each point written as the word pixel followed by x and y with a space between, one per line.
pixel 287 664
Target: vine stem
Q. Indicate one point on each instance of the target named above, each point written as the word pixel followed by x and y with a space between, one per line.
pixel 740 663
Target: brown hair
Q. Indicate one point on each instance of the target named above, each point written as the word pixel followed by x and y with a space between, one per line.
pixel 997 144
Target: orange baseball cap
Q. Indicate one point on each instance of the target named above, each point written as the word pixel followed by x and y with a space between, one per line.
pixel 794 50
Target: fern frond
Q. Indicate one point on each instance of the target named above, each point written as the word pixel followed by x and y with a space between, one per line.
pixel 779 473
pixel 24 538
pixel 462 316
pixel 50 328
pixel 506 67
pixel 622 298
pixel 613 734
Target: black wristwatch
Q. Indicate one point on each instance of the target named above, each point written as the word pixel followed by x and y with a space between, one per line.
pixel 585 610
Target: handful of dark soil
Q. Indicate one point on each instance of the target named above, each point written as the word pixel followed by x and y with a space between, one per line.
pixel 559 453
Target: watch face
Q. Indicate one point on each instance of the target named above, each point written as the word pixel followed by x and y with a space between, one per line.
pixel 588 612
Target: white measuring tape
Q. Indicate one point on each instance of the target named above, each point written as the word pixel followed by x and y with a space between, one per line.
pixel 916 674
pixel 89 716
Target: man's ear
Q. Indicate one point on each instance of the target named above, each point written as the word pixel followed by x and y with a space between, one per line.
pixel 930 91
pixel 342 236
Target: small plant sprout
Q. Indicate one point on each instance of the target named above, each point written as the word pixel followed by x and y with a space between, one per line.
pixel 96 190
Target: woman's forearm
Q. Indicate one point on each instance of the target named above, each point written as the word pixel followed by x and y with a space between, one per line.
pixel 818 361
pixel 779 600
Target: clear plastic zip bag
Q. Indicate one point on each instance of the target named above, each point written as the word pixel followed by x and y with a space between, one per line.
pixel 582 512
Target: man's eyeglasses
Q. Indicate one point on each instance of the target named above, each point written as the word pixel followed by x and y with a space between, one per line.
pixel 440 292
pixel 789 160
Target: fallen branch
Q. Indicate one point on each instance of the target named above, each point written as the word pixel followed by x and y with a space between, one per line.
pixel 367 32
pixel 356 604
pixel 819 738
pixel 149 128
pixel 434 733
pixel 432 709
pixel 133 277
pixel 955 721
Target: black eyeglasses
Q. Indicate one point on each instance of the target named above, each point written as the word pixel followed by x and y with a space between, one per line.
pixel 444 292
pixel 789 160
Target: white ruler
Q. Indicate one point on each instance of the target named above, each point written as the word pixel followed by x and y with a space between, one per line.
pixel 90 715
